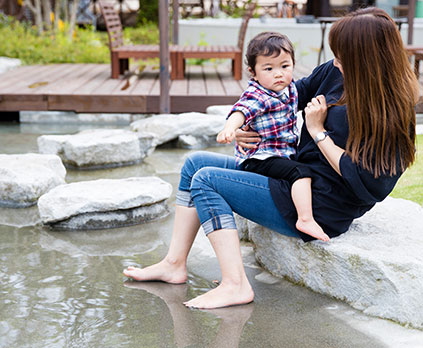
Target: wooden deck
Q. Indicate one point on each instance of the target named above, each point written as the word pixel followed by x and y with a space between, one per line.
pixel 89 88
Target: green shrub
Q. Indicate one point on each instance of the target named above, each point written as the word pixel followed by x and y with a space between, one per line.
pixel 88 46
pixel 148 12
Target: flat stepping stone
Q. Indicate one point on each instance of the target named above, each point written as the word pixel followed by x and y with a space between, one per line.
pixel 98 148
pixel 26 177
pixel 168 127
pixel 377 266
pixel 105 203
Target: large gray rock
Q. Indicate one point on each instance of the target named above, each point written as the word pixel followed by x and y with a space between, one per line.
pixel 98 148
pixel 222 110
pixel 377 266
pixel 169 127
pixel 7 64
pixel 105 203
pixel 24 178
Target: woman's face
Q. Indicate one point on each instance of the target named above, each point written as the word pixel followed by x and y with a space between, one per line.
pixel 337 63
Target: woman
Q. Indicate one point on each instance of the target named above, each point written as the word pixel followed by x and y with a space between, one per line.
pixel 357 148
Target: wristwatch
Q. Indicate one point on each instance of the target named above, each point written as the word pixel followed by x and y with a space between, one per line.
pixel 320 136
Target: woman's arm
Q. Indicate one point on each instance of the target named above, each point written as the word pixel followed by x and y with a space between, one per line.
pixel 316 112
pixel 246 138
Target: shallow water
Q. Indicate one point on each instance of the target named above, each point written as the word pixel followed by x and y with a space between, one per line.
pixel 66 289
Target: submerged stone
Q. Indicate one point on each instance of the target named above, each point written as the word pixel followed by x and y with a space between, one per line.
pixel 70 117
pixel 25 177
pixel 168 127
pixel 98 148
pixel 377 266
pixel 105 203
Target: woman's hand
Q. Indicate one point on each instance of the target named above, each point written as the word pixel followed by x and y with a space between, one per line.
pixel 316 112
pixel 246 138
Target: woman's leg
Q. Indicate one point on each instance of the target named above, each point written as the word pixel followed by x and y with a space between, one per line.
pixel 172 268
pixel 216 193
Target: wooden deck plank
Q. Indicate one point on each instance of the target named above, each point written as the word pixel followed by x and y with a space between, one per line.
pixel 196 84
pixel 98 103
pixel 92 84
pixel 213 83
pixel 107 87
pixel 40 74
pixel 145 82
pixel 232 87
pixel 9 78
pixel 80 80
pixel 178 87
pixel 62 80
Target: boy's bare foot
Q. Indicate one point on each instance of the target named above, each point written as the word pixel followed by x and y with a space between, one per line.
pixel 164 271
pixel 312 228
pixel 223 296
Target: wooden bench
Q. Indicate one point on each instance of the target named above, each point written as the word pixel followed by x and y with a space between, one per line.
pixel 120 53
pixel 181 53
pixel 417 52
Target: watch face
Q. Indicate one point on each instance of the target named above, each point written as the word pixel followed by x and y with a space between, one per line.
pixel 319 137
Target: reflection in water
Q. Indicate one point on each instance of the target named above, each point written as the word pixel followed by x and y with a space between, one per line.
pixel 230 328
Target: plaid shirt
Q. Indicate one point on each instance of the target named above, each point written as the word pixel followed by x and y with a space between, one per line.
pixel 273 116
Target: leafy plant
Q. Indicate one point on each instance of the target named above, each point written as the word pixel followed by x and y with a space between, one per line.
pixel 88 46
pixel 148 12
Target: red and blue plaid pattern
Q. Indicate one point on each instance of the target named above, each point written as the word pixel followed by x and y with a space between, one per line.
pixel 273 116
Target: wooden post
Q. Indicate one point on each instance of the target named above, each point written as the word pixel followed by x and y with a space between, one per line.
pixel 411 14
pixel 175 28
pixel 164 56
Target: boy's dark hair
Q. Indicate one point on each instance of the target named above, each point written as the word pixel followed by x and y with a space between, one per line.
pixel 268 44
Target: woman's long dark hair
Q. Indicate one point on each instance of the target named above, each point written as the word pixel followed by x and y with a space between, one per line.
pixel 380 91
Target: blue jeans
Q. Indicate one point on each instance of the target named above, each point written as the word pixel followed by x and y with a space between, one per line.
pixel 217 187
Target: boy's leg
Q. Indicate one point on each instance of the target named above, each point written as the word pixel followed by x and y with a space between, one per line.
pixel 301 196
pixel 299 176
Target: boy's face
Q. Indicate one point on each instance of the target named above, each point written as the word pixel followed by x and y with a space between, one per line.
pixel 274 72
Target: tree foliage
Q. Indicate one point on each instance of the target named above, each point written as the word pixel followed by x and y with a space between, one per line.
pixel 148 12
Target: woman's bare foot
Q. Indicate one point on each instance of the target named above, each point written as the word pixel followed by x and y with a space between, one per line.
pixel 222 296
pixel 312 228
pixel 164 271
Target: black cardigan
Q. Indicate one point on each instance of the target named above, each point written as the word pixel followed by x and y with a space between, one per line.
pixel 337 200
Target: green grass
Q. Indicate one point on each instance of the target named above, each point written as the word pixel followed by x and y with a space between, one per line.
pixel 410 185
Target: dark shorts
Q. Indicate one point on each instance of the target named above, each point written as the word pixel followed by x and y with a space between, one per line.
pixel 277 168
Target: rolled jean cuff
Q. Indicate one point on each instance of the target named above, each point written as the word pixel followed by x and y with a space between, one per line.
pixel 225 221
pixel 184 198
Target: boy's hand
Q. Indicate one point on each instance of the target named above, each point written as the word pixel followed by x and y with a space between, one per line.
pixel 225 136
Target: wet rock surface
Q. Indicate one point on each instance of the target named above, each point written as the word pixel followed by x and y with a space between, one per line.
pixel 377 266
pixel 98 148
pixel 25 177
pixel 105 203
pixel 168 127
